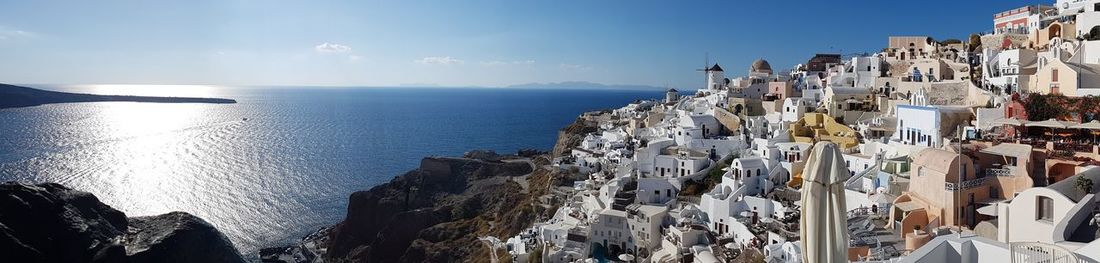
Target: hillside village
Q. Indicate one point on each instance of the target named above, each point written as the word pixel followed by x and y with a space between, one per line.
pixel 975 150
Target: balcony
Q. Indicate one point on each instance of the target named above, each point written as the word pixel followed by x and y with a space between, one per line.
pixel 968 184
pixel 1000 172
pixel 1040 252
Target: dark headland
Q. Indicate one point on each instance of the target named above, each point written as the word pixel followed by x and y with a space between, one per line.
pixel 12 96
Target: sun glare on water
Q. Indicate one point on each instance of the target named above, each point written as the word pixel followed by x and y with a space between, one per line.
pixel 150 150
pixel 152 90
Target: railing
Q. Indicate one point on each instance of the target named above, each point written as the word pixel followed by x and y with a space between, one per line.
pixel 1039 252
pixel 949 186
pixel 1002 172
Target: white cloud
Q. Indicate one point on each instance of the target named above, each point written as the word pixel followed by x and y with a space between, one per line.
pixel 332 48
pixel 499 63
pixel 355 57
pixel 9 33
pixel 439 61
pixel 575 67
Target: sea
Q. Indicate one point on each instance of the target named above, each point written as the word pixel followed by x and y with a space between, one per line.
pixel 281 162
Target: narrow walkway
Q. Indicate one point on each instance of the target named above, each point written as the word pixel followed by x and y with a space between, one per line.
pixel 492 248
pixel 522 180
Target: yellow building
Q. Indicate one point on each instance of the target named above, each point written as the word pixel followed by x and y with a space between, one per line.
pixel 815 127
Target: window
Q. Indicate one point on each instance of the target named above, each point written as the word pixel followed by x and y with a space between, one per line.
pixel 1054 75
pixel 1044 209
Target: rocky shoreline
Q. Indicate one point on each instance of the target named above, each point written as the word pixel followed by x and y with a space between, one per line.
pixel 52 223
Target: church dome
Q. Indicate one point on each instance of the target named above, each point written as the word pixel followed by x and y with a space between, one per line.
pixel 761 66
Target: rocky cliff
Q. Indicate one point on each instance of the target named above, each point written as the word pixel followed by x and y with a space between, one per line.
pixel 572 135
pixel 436 212
pixel 52 223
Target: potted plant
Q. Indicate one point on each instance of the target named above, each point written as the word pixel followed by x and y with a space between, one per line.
pixel 916 230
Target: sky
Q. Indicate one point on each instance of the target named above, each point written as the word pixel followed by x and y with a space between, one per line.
pixel 448 43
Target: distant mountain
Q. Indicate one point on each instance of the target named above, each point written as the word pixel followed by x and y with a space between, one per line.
pixel 12 96
pixel 582 85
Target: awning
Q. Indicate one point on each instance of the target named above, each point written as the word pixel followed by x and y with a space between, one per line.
pixel 989 210
pixel 908 206
pixel 1052 123
pixel 1009 121
pixel 1092 125
pixel 1009 149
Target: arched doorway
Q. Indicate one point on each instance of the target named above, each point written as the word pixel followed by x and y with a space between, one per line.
pixel 1059 171
pixel 1055 30
pixel 599 251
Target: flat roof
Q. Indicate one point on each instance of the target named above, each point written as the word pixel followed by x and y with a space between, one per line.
pixel 908 206
pixel 1009 149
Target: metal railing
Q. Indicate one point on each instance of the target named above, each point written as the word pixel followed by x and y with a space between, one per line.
pixel 1003 172
pixel 1040 252
pixel 949 186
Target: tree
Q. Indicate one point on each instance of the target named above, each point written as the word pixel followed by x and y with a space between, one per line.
pixel 975 42
pixel 1039 107
pixel 1084 185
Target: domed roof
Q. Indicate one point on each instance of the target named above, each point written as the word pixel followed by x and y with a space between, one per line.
pixel 761 65
pixel 715 68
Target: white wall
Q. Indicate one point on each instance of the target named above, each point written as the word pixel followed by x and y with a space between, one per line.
pixel 655 191
pixel 917 121
pixel 1019 219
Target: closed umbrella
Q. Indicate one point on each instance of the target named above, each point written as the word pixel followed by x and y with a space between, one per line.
pixel 824 219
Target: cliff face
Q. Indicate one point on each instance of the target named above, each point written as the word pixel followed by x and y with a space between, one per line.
pixel 436 212
pixel 572 135
pixel 52 223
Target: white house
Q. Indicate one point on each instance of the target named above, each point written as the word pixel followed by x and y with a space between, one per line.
pixel 681 163
pixel 655 191
pixel 1011 69
pixel 1055 214
pixel 858 162
pixel 813 88
pixel 794 108
pixel 928 125
pixel 786 252
pixel 646 222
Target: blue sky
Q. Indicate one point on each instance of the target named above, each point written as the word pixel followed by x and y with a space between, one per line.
pixel 448 43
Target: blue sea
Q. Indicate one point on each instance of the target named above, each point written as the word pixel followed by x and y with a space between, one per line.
pixel 282 161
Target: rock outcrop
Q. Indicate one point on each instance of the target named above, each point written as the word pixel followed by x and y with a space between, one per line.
pixel 572 135
pixel 52 223
pixel 436 212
